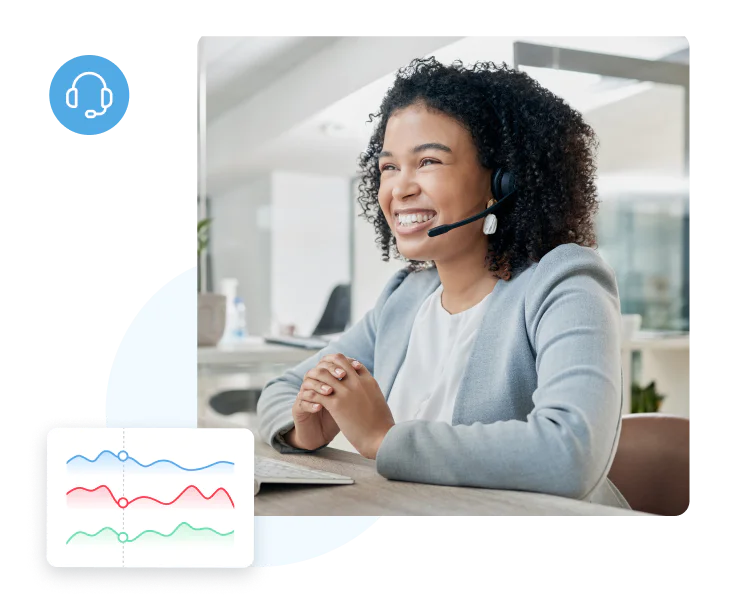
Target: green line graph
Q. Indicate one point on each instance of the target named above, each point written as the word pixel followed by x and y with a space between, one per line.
pixel 123 538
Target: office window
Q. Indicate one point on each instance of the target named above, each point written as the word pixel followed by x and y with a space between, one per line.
pixel 646 243
pixel 643 221
pixel 635 97
pixel 692 274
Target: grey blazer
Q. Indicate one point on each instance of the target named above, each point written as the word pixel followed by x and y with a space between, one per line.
pixel 539 408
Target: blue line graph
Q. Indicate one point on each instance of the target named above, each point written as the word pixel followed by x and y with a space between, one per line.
pixel 123 456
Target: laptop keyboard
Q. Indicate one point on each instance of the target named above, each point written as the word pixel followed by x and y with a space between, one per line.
pixel 266 467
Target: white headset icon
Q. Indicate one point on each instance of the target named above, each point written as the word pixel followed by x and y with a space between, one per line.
pixel 72 92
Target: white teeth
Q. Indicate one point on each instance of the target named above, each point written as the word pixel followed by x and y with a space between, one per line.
pixel 413 218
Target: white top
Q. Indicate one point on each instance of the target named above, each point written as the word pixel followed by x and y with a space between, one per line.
pixel 439 347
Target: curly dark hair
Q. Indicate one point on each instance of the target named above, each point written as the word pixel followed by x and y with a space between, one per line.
pixel 515 123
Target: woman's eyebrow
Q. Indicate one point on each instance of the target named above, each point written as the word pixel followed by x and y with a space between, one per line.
pixel 421 148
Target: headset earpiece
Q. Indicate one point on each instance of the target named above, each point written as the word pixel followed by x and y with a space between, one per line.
pixel 503 183
pixel 73 93
pixel 102 97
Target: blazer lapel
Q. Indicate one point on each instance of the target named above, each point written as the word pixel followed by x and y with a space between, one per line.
pixel 483 352
pixel 477 379
pixel 396 324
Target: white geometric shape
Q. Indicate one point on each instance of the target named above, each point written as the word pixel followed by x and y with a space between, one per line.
pixel 294 542
pixel 151 379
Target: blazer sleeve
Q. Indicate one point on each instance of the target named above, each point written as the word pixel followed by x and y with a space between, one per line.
pixel 278 395
pixel 566 445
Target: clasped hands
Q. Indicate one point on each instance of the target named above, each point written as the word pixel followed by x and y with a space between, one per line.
pixel 339 394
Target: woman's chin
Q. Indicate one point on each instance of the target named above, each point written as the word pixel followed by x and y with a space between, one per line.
pixel 412 252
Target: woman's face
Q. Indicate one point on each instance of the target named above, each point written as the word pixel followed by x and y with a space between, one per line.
pixel 430 176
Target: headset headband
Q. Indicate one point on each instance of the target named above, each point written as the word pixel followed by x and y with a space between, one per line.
pixel 78 77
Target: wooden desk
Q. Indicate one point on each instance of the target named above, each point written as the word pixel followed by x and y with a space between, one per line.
pixel 373 495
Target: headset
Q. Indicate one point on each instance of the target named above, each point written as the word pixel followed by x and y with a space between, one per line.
pixel 72 96
pixel 503 185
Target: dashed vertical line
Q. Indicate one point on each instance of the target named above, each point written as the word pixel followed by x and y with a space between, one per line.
pixel 123 493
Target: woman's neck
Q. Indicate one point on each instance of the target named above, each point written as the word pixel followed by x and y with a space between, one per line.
pixel 465 281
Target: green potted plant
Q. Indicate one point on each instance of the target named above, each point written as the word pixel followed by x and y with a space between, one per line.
pixel 210 306
pixel 645 399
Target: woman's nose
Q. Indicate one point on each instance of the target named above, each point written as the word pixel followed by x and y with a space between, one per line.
pixel 404 185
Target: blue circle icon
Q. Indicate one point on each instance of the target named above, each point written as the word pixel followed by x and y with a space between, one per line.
pixel 89 95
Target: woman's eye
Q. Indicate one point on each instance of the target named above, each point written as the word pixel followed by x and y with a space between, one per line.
pixel 423 162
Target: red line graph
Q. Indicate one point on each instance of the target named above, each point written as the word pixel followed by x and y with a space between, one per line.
pixel 123 502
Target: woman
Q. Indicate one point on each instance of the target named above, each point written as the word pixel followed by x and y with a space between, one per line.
pixel 493 359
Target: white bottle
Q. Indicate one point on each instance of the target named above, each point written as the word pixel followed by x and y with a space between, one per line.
pixel 241 330
pixel 229 288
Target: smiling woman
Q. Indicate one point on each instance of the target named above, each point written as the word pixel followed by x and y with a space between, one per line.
pixel 479 119
pixel 493 359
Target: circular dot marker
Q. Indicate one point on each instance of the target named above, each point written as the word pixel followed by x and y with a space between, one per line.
pixel 122 537
pixel 122 455
pixel 123 502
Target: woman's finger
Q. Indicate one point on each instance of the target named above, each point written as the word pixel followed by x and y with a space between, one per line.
pixel 310 396
pixel 307 406
pixel 331 363
pixel 311 407
pixel 357 365
pixel 343 362
pixel 317 386
pixel 326 373
pixel 333 368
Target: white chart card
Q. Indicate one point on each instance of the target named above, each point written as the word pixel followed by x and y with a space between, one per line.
pixel 150 498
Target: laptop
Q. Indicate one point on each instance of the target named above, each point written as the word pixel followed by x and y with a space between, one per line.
pixel 310 343
pixel 269 470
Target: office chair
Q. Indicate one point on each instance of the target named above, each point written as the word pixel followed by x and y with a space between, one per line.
pixel 652 464
pixel 232 401
pixel 336 315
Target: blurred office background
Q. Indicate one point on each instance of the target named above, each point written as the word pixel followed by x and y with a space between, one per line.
pixel 283 120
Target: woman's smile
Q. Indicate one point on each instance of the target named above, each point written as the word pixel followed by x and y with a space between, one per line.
pixel 409 221
pixel 430 175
